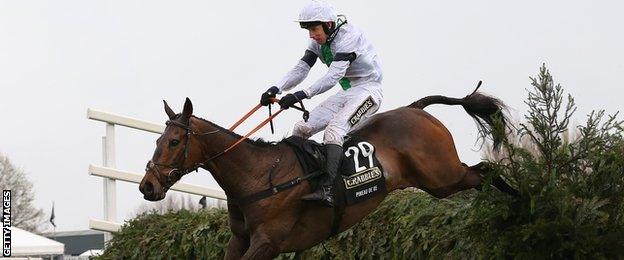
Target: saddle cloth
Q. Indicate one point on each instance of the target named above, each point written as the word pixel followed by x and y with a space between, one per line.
pixel 361 175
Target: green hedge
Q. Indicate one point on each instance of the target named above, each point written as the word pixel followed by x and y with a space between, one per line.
pixel 407 225
pixel 179 234
pixel 571 182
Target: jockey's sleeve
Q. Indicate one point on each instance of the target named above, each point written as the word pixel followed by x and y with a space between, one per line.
pixel 297 74
pixel 345 53
pixel 336 71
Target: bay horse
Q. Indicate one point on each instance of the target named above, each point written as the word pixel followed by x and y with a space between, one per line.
pixel 414 148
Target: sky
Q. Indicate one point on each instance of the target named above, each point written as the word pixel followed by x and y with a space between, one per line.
pixel 58 58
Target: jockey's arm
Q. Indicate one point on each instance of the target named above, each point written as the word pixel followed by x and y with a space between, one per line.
pixel 337 70
pixel 297 74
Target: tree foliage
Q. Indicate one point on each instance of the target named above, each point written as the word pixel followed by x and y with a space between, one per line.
pixel 24 214
pixel 571 188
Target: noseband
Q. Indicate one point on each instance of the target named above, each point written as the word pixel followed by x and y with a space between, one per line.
pixel 178 168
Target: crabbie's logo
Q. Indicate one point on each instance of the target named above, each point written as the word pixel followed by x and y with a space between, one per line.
pixel 361 172
pixel 363 177
pixel 364 107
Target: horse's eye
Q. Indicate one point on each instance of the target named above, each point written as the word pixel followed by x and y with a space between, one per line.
pixel 174 142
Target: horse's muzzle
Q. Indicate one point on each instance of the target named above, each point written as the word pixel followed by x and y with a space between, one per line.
pixel 151 190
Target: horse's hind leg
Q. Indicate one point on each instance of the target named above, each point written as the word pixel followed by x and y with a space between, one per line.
pixel 478 171
pixel 472 178
pixel 503 186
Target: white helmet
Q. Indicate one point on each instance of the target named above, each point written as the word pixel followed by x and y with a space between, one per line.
pixel 317 11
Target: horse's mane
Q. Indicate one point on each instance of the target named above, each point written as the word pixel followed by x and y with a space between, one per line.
pixel 256 142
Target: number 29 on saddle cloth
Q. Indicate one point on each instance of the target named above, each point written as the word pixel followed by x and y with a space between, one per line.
pixel 361 173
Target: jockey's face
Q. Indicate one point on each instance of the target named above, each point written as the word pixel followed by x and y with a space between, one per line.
pixel 318 34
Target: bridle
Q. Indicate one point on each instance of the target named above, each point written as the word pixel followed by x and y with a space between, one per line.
pixel 177 168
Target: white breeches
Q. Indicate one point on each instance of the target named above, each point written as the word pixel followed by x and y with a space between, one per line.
pixel 341 112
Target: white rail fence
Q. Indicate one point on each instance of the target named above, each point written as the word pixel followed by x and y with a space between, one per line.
pixel 110 174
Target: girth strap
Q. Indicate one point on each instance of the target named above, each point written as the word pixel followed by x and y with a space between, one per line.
pixel 273 190
pixel 339 205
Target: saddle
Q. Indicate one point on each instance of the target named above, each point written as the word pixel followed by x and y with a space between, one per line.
pixel 311 156
pixel 360 174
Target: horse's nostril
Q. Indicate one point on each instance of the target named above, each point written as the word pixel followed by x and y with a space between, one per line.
pixel 147 188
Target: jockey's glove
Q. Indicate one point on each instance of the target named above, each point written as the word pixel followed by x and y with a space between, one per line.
pixel 265 99
pixel 290 99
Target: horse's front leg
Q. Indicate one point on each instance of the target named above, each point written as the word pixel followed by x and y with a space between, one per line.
pixel 236 247
pixel 261 247
pixel 239 242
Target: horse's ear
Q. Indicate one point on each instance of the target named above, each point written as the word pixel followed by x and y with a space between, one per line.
pixel 169 112
pixel 188 109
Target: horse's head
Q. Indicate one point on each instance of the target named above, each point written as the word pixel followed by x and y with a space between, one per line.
pixel 176 154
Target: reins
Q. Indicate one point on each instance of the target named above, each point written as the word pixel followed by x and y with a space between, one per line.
pixel 240 121
pixel 306 115
pixel 272 190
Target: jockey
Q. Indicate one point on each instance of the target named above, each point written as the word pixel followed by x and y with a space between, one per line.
pixel 353 63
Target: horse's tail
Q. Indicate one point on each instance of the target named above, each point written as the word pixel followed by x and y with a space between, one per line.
pixel 484 109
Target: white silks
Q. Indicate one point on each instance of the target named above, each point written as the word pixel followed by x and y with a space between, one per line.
pixel 363 73
pixel 317 10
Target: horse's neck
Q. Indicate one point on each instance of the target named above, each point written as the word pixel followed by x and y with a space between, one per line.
pixel 237 170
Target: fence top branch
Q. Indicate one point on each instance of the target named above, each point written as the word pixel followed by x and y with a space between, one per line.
pixel 103 225
pixel 125 121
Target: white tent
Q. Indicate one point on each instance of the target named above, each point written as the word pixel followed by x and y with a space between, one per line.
pixel 93 252
pixel 24 243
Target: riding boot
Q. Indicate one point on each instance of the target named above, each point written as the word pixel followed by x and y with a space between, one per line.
pixel 324 193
